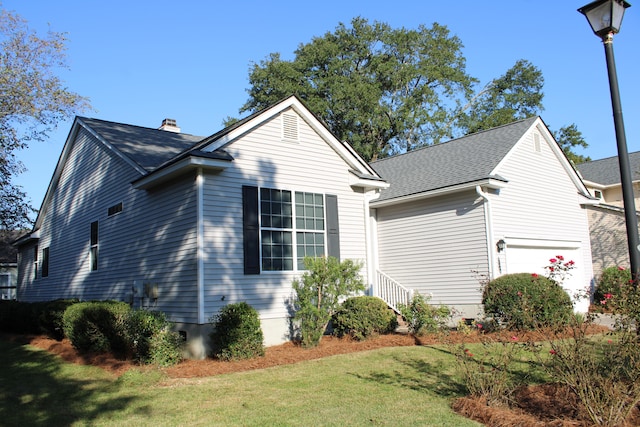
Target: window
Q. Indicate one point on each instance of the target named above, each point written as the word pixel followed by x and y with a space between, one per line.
pixel 597 194
pixel 309 226
pixel 94 246
pixel 276 228
pixel 45 262
pixel 282 227
pixel 114 209
pixel 35 262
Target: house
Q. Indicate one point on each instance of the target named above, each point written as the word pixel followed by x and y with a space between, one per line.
pixel 505 200
pixel 606 219
pixel 187 224
pixel 8 264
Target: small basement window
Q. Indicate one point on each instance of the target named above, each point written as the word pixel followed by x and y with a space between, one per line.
pixel 114 209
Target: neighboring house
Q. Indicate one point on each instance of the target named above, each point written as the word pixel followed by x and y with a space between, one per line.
pixel 501 201
pixel 606 220
pixel 188 224
pixel 8 264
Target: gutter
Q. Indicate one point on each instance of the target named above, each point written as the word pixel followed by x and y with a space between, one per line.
pixel 488 229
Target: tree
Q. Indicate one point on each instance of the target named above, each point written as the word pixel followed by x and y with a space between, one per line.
pixel 569 137
pixel 513 96
pixel 384 90
pixel 388 91
pixel 32 101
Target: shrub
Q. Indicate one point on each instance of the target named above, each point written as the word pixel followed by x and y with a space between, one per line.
pixel 97 326
pixel 527 301
pixel 364 316
pixel 18 317
pixel 611 284
pixel 422 317
pixel 50 316
pixel 318 294
pixel 150 338
pixel 34 318
pixel 237 333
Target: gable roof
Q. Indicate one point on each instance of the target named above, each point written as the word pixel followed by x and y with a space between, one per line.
pixel 146 147
pixel 606 171
pixel 159 155
pixel 467 160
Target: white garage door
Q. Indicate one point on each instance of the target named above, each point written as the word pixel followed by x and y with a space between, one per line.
pixel 532 256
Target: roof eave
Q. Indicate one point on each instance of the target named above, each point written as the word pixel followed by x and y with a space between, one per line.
pixel 492 183
pixel 29 237
pixel 179 168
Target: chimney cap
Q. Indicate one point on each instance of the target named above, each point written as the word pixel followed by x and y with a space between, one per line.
pixel 169 125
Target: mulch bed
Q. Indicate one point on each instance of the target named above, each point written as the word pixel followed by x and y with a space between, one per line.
pixel 545 405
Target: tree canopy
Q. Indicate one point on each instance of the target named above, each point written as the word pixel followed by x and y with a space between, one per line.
pixel 32 101
pixel 388 91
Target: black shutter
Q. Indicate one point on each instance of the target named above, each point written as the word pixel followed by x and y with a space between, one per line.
pixel 250 230
pixel 333 230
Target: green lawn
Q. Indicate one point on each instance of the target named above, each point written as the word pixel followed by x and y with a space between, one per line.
pixel 402 386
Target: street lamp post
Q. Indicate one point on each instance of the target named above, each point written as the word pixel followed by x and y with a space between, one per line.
pixel 605 18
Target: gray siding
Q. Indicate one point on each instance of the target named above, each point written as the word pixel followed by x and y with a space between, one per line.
pixel 151 241
pixel 262 158
pixel 436 246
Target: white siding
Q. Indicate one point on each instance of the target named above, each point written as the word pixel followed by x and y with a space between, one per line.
pixel 540 202
pixel 436 246
pixel 262 158
pixel 151 241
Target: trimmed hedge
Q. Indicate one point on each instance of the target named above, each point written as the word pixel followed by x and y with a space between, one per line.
pixel 237 333
pixel 34 318
pixel 150 338
pixel 527 301
pixel 364 316
pixel 97 326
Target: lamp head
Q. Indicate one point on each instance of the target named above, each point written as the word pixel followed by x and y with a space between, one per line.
pixel 605 16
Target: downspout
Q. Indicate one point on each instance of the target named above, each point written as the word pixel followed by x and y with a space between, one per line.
pixel 371 242
pixel 200 243
pixel 488 228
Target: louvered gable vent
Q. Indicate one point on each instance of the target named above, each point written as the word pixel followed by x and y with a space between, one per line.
pixel 290 127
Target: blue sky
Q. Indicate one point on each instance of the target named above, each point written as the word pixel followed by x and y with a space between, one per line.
pixel 142 61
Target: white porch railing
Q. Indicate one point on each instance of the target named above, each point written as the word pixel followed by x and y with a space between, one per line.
pixel 391 292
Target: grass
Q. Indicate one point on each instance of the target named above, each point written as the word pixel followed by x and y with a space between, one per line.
pixel 408 386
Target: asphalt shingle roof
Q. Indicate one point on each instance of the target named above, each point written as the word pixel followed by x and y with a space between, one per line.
pixel 147 147
pixel 463 160
pixel 607 171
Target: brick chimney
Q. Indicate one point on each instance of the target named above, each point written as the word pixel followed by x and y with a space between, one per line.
pixel 170 126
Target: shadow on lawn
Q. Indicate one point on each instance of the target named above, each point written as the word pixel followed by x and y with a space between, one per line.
pixel 429 376
pixel 34 391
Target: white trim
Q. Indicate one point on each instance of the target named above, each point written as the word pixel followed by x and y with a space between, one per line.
pixel 178 167
pixel 343 149
pixel 200 243
pixel 489 183
pixel 542 243
pixel 488 230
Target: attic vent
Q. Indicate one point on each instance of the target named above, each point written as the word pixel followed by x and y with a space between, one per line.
pixel 536 142
pixel 290 127
pixel 170 125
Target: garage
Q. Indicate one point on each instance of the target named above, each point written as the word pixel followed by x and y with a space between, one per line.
pixel 532 256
